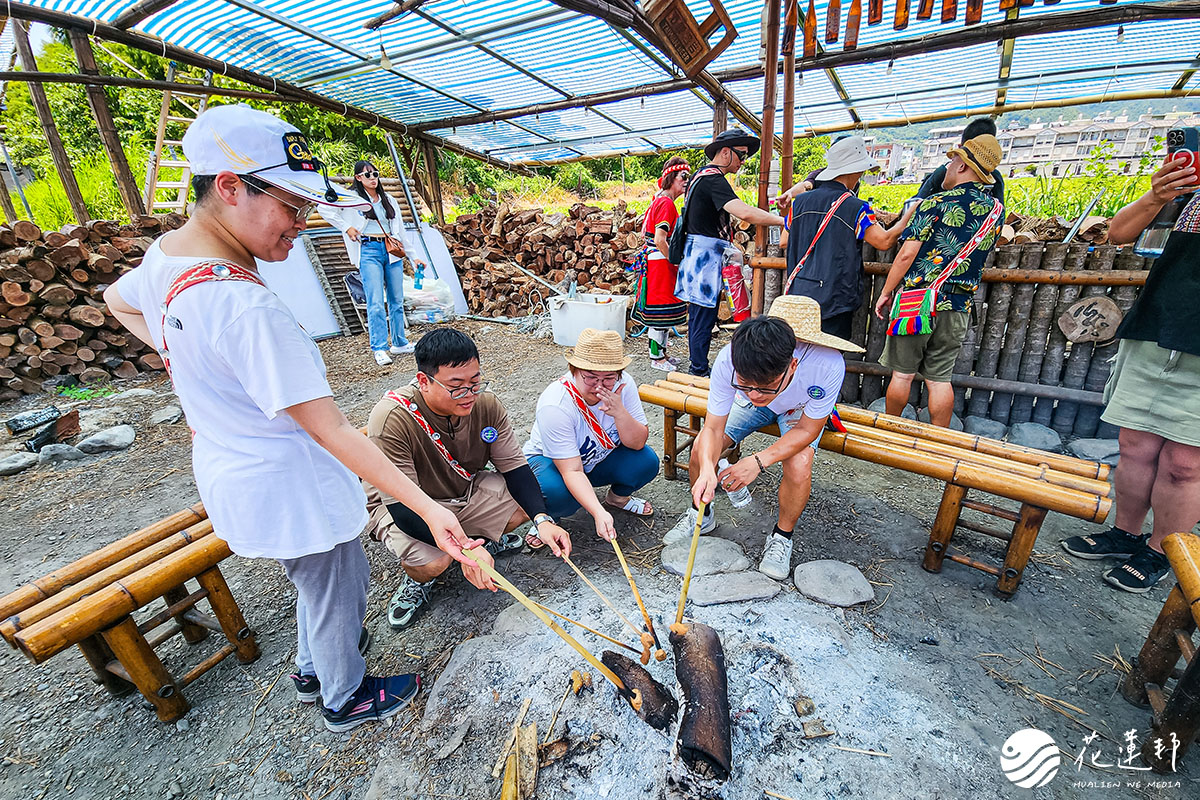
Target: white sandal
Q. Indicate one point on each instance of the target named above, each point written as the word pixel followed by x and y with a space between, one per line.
pixel 634 505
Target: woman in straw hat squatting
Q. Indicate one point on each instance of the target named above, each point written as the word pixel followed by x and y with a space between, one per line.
pixel 590 430
pixel 275 460
pixel 778 369
pixel 657 307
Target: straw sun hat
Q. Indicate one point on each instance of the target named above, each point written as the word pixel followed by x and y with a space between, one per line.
pixel 982 154
pixel 601 351
pixel 803 314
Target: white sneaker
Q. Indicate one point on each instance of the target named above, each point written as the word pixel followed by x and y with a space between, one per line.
pixel 777 557
pixel 661 363
pixel 403 349
pixel 687 524
pixel 382 358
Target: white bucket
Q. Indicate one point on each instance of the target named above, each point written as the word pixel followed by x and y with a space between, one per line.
pixel 568 317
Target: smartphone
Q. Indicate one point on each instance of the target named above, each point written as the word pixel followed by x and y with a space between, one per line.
pixel 1185 141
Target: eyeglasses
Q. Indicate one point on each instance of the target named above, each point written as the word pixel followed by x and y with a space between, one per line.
pixel 594 379
pixel 302 211
pixel 367 175
pixel 761 390
pixel 458 393
pixel 741 154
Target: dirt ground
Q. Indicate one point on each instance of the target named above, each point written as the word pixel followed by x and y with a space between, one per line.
pixel 931 678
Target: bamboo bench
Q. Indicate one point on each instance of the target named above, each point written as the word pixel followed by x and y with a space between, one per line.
pixel 90 604
pixel 1174 718
pixel 1039 481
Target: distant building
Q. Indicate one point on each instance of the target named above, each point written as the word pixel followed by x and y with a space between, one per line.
pixel 893 158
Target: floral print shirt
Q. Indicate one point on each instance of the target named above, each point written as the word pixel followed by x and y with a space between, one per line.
pixel 943 225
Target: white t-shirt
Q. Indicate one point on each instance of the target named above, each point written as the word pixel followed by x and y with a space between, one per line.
pixel 238 358
pixel 814 388
pixel 559 430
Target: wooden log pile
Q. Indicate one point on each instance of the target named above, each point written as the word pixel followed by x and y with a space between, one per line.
pixel 53 320
pixel 591 244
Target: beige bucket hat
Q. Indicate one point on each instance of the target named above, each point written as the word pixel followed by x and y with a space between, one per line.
pixel 803 314
pixel 601 351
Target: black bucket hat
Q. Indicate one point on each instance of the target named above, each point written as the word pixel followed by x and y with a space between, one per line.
pixel 734 137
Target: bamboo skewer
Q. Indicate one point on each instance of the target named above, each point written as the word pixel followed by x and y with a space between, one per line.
pixel 635 699
pixel 610 639
pixel 659 653
pixel 687 574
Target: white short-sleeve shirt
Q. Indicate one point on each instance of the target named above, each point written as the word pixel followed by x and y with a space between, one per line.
pixel 238 358
pixel 559 430
pixel 814 388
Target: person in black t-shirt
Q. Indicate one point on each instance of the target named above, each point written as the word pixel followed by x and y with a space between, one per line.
pixel 707 219
pixel 1153 393
pixel 933 181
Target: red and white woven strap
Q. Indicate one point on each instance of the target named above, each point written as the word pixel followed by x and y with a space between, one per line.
pixel 433 435
pixel 204 272
pixel 820 230
pixel 988 223
pixel 588 417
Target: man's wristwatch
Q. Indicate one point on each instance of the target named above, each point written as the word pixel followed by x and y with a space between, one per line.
pixel 540 518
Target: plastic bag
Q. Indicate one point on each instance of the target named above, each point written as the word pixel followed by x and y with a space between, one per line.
pixel 433 302
pixel 735 286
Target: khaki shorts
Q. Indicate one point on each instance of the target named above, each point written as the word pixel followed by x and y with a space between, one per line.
pixel 930 354
pixel 483 514
pixel 1154 390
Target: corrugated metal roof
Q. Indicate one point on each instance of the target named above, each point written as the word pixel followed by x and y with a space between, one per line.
pixel 449 58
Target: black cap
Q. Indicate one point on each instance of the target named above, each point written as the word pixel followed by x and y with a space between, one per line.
pixel 734 137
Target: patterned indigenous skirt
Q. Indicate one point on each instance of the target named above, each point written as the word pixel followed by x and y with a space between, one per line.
pixel 656 305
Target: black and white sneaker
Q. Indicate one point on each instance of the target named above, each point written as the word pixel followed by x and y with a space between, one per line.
pixel 308 687
pixel 1140 572
pixel 376 699
pixel 1113 543
pixel 407 602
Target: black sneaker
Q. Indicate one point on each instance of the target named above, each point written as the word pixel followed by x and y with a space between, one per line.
pixel 375 699
pixel 1113 543
pixel 308 688
pixel 1140 572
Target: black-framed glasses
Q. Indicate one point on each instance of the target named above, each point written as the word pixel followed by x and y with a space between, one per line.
pixel 761 390
pixel 367 175
pixel 459 392
pixel 741 154
pixel 302 211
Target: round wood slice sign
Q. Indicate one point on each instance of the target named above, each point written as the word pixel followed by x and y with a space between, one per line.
pixel 1090 319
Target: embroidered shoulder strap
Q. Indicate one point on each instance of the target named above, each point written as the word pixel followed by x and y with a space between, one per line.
pixel 433 435
pixel 820 230
pixel 988 223
pixel 203 272
pixel 588 417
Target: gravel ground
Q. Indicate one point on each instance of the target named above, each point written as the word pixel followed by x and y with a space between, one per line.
pixel 937 672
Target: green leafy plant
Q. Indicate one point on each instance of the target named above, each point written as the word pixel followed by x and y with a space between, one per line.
pixel 84 392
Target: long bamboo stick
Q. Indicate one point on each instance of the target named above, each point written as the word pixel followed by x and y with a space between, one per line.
pixel 590 630
pixel 659 653
pixel 691 562
pixel 1091 277
pixel 603 598
pixel 504 584
pixel 1183 551
pixel 1072 502
pixel 38 590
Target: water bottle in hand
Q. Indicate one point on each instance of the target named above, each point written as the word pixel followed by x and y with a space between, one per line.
pixel 739 498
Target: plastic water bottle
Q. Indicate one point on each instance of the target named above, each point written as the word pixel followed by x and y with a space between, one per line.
pixel 742 496
pixel 418 275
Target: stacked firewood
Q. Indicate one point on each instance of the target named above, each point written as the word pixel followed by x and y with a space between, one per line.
pixel 592 245
pixel 53 320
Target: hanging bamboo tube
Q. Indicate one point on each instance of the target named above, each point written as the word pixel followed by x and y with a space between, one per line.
pixel 967 441
pixel 77 591
pixel 874 12
pixel 1183 551
pixel 999 299
pixel 974 12
pixel 1014 334
pixel 810 31
pixel 900 22
pixel 853 23
pixel 949 11
pixel 1084 505
pixel 1041 317
pixel 925 9
pixel 98 611
pixel 38 590
pixel 1056 344
pixel 833 20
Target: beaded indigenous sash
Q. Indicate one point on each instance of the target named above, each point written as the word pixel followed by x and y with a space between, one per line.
pixel 588 417
pixel 204 272
pixel 433 435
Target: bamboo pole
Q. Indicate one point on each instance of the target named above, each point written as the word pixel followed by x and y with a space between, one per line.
pixel 1038 332
pixel 659 653
pixel 1183 551
pixel 228 615
pixel 964 364
pixel 96 612
pixel 1056 347
pixel 145 669
pixel 872 386
pixel 787 154
pixel 97 81
pixel 38 590
pixel 687 573
pixel 1130 277
pixel 603 598
pixel 1160 652
pixel 1015 333
pixel 766 153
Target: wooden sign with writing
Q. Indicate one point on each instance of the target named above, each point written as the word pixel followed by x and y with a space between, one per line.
pixel 1090 319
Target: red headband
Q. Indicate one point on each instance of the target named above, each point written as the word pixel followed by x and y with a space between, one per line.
pixel 668 171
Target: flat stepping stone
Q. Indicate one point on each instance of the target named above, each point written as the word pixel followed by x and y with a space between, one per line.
pixel 982 426
pixel 1039 437
pixel 118 438
pixel 713 555
pixel 712 590
pixel 17 462
pixel 834 583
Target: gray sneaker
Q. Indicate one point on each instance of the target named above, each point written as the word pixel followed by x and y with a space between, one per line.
pixel 777 557
pixel 687 525
pixel 409 599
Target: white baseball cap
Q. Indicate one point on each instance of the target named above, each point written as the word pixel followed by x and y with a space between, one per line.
pixel 845 157
pixel 245 141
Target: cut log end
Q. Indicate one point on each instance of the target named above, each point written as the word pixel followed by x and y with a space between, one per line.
pixel 654 703
pixel 705 738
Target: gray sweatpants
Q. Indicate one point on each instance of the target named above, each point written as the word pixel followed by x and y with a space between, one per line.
pixel 331 602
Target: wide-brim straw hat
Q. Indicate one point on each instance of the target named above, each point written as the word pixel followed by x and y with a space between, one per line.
pixel 803 314
pixel 600 351
pixel 982 154
pixel 734 137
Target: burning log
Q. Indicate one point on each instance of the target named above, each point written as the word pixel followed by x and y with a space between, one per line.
pixel 704 742
pixel 659 706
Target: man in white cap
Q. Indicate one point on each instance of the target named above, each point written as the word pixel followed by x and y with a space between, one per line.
pixel 825 231
pixel 779 369
pixel 274 459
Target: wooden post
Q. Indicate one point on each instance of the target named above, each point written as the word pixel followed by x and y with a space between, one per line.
pixel 97 654
pixel 943 527
pixel 1020 547
pixel 98 102
pixel 40 104
pixel 965 363
pixel 720 117
pixel 766 153
pixel 1063 415
pixel 1161 652
pixel 226 610
pixel 146 670
pixel 670 443
pixel 1074 257
pixel 1179 722
pixel 10 211
pixel 1088 421
pixel 429 152
pixel 192 633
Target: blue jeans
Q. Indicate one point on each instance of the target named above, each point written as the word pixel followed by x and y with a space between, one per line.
pixel 624 469
pixel 745 418
pixel 380 275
